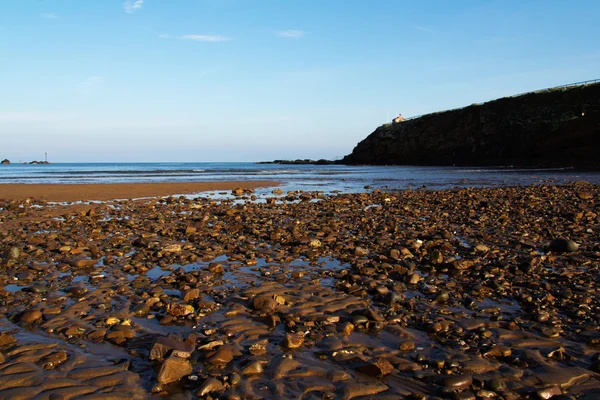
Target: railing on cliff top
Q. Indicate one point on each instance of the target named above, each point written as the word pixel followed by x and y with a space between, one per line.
pixel 582 83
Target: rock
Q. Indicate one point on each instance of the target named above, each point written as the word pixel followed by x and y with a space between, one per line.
pixel 141 310
pixel 407 345
pixel 173 369
pixel 456 381
pixel 172 248
pixel 315 243
pixel 211 385
pixel 191 294
pixel 5 161
pixel 13 253
pixel 83 263
pixel 562 245
pixel 29 317
pixel 413 278
pixel 379 368
pixel 222 356
pixel 361 251
pixel 548 392
pixel 264 303
pixel 585 195
pixel 292 340
pixel 164 344
pixel 254 368
pixel 179 310
pixel 7 338
pixel 216 268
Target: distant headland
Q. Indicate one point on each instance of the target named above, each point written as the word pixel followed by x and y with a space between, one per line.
pixel 556 127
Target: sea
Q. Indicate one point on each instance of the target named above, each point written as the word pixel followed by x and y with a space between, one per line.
pixel 323 178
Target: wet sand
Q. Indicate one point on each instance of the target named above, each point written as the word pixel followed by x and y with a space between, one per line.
pixel 461 294
pixel 112 191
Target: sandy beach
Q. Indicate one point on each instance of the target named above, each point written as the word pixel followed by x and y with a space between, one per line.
pixel 113 191
pixel 465 293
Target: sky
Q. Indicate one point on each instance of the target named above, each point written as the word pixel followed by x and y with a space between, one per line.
pixel 252 80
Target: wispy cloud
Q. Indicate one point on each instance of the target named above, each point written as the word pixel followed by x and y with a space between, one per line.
pixel 50 16
pixel 131 6
pixel 199 38
pixel 293 33
pixel 423 29
pixel 90 84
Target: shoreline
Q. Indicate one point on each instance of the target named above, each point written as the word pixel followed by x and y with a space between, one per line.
pixel 59 192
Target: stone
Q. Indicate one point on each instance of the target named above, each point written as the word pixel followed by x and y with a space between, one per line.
pixel 264 303
pixel 163 344
pixel 379 368
pixel 292 340
pixel 456 381
pixel 562 245
pixel 216 268
pixel 211 385
pixel 173 369
pixel 222 356
pixel 191 294
pixel 7 338
pixel 254 368
pixel 179 310
pixel 407 345
pixel 29 317
pixel 83 263
pixel 172 248
pixel 13 253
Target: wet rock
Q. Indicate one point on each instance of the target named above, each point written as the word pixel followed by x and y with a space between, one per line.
pixel 211 385
pixel 141 310
pixel 216 268
pixel 191 294
pixel 222 356
pixel 173 369
pixel 407 345
pixel 292 340
pixel 353 390
pixel 13 253
pixel 436 257
pixel 179 310
pixel 379 368
pixel 172 248
pixel 258 347
pixel 83 263
pixel 264 303
pixel 164 345
pixel 548 393
pixel 30 317
pixel 254 368
pixel 413 279
pixel 7 338
pixel 562 245
pixel 456 381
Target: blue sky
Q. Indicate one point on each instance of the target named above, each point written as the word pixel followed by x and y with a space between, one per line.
pixel 249 80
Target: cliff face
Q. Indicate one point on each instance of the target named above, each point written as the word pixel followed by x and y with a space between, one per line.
pixel 536 129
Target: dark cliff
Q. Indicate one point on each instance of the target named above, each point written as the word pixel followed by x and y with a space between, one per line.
pixel 552 128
